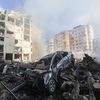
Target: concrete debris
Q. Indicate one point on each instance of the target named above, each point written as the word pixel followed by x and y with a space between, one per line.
pixel 54 77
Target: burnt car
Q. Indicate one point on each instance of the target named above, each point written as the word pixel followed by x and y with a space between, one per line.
pixel 45 73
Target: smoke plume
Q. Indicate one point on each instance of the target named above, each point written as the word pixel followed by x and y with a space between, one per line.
pixel 38 46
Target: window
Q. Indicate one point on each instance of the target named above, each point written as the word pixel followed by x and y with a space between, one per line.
pixel 2 17
pixel 1 48
pixel 27 38
pixel 2 25
pixel 27 26
pixel 16 41
pixel 1 38
pixel 17 56
pixel 56 60
pixel 1 55
pixel 10 19
pixel 27 21
pixel 18 49
pixel 9 32
pixel 26 31
pixel 9 56
pixel 26 56
pixel 2 31
pixel 18 22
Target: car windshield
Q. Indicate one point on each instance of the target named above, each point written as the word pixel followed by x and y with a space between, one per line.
pixel 44 62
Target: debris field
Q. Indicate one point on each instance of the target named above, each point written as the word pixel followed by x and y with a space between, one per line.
pixel 57 76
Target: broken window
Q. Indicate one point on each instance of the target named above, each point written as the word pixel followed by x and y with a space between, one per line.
pixel 2 31
pixel 1 38
pixel 56 60
pixel 18 49
pixel 10 19
pixel 1 48
pixel 9 56
pixel 1 55
pixel 17 56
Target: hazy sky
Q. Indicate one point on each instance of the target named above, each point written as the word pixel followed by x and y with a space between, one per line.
pixel 53 16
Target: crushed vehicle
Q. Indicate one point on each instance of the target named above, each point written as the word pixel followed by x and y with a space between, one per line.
pixel 47 70
pixel 54 77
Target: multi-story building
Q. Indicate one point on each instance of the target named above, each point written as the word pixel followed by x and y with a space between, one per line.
pixel 81 38
pixel 15 35
pixel 59 42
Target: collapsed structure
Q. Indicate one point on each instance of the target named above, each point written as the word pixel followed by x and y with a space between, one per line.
pixel 54 77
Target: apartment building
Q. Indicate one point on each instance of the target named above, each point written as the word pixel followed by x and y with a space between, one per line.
pixel 60 42
pixel 15 36
pixel 79 39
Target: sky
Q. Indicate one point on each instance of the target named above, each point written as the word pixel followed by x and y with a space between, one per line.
pixel 54 16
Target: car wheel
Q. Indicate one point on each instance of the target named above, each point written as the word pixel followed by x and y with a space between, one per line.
pixel 51 85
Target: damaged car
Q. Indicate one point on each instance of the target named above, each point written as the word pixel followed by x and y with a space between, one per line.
pixel 45 74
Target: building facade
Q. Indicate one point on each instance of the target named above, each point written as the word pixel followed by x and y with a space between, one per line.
pixel 60 42
pixel 50 46
pixel 15 36
pixel 96 46
pixel 79 39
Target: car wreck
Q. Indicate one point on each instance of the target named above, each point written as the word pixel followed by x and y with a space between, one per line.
pixel 54 77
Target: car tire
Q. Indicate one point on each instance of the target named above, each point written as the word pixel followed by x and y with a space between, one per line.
pixel 51 85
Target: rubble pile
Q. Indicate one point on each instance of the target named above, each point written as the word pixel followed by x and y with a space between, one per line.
pixel 54 77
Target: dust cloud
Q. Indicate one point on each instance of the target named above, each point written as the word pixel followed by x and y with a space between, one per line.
pixel 38 45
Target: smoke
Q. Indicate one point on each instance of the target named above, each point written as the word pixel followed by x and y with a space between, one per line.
pixel 38 46
pixel 54 16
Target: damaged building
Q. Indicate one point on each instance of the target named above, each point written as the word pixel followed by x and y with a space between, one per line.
pixel 15 36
